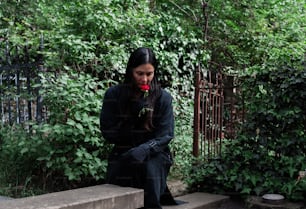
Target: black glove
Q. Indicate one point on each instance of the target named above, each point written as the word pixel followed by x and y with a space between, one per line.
pixel 140 153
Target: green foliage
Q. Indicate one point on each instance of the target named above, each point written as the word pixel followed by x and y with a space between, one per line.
pixel 264 41
pixel 66 150
pixel 258 35
pixel 17 154
pixel 242 172
pixel 276 107
pixel 95 38
pixel 72 143
pixel 268 154
pixel 181 144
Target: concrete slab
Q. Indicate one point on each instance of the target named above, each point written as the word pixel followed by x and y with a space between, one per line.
pixel 199 200
pixel 96 197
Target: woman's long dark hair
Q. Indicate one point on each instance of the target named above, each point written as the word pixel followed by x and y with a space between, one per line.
pixel 139 57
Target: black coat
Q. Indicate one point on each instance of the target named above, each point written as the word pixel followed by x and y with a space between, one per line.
pixel 126 132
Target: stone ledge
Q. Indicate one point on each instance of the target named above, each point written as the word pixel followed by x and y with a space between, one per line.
pixel 104 196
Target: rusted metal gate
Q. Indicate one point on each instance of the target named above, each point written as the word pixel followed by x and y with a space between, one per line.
pixel 208 114
pixel 19 99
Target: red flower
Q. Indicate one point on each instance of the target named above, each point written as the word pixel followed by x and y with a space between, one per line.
pixel 145 87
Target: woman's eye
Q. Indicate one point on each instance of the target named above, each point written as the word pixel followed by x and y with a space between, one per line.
pixel 140 73
pixel 144 73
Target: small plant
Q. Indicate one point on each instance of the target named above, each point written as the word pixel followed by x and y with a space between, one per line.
pixel 181 144
pixel 17 154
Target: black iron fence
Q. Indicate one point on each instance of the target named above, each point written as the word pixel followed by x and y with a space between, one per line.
pixel 19 98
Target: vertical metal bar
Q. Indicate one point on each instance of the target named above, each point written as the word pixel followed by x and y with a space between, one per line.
pixel 40 69
pixel 1 94
pixel 209 138
pixel 216 108
pixel 28 82
pixel 217 114
pixel 221 120
pixel 202 118
pixel 217 123
pixel 1 98
pixel 8 62
pixel 213 122
pixel 17 84
pixel 218 95
pixel 206 118
pixel 196 115
pixel 232 120
pixel 221 113
pixel 214 137
pixel 204 115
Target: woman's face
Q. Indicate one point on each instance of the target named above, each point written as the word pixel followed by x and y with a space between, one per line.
pixel 143 74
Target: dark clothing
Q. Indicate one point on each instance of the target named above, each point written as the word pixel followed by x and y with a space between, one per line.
pixel 140 158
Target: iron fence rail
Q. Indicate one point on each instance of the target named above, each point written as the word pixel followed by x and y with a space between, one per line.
pixel 208 119
pixel 215 113
pixel 19 99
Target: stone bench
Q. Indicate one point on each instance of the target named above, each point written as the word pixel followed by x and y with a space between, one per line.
pixel 104 196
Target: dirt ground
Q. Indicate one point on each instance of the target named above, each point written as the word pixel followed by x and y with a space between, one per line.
pixel 233 204
pixel 240 204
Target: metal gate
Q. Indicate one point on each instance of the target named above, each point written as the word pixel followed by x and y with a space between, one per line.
pixel 19 98
pixel 217 112
pixel 208 114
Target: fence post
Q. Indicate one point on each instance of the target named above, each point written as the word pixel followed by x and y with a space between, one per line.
pixel 40 69
pixel 196 120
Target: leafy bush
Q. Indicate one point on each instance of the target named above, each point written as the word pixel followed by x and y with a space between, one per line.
pixel 181 145
pixel 17 154
pixel 265 42
pixel 95 37
pixel 268 154
pixel 72 142
pixel 66 150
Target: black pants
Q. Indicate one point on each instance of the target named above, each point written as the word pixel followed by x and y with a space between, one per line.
pixel 150 175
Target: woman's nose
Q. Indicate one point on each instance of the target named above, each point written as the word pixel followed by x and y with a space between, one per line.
pixel 144 79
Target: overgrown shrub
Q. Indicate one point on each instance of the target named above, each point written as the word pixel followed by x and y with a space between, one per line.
pixel 18 155
pixel 96 37
pixel 181 145
pixel 72 141
pixel 269 152
pixel 67 150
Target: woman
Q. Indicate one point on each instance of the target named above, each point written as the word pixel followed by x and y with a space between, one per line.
pixel 137 117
